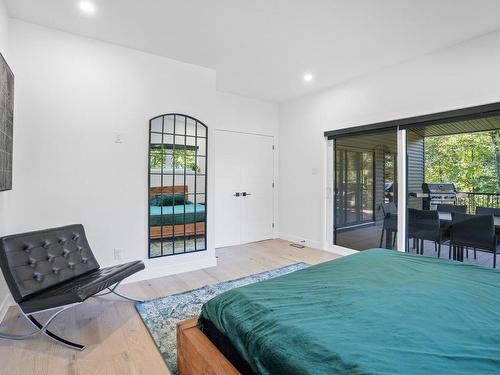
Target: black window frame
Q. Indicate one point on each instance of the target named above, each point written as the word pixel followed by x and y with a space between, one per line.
pixel 162 173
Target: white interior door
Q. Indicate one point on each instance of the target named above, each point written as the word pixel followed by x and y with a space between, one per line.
pixel 227 183
pixel 257 185
pixel 244 166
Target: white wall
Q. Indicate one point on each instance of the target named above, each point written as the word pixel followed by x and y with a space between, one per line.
pixel 4 31
pixel 242 114
pixel 72 95
pixel 462 76
pixel 4 28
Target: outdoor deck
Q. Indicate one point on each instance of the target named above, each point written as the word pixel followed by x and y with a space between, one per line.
pixel 369 237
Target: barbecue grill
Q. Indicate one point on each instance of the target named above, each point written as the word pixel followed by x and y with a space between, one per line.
pixel 438 193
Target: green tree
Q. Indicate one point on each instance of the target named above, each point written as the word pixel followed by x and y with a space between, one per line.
pixel 185 158
pixel 157 157
pixel 180 158
pixel 471 161
pixel 495 139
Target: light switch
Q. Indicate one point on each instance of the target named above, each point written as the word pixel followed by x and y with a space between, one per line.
pixel 119 137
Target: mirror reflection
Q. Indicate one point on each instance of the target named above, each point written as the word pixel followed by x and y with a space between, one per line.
pixel 177 185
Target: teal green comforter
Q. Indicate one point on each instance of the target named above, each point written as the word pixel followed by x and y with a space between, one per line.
pixel 176 215
pixel 375 312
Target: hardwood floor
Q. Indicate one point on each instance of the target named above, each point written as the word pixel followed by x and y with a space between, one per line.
pixel 117 340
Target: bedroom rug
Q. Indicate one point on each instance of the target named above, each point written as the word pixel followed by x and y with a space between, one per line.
pixel 162 315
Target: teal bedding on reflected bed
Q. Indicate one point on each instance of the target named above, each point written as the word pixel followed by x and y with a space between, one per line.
pixel 174 215
pixel 374 312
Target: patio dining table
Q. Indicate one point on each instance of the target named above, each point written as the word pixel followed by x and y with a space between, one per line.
pixel 446 217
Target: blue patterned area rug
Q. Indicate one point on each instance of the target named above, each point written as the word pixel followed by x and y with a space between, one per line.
pixel 162 315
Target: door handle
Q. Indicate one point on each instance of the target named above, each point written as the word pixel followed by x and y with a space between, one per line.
pixel 236 194
pixel 245 194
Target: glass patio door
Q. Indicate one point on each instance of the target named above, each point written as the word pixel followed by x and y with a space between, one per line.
pixel 354 187
pixel 365 187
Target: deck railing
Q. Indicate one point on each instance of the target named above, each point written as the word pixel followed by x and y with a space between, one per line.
pixel 473 200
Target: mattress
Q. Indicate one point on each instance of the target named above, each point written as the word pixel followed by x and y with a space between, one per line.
pixel 375 312
pixel 176 215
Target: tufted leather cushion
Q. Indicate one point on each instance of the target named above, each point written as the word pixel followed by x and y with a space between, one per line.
pixel 32 262
pixel 80 288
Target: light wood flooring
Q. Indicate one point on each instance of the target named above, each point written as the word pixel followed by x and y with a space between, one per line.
pixel 117 340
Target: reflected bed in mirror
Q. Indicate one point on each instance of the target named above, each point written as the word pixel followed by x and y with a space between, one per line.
pixel 173 220
pixel 177 185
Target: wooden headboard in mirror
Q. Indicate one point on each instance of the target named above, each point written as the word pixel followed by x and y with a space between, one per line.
pixel 169 190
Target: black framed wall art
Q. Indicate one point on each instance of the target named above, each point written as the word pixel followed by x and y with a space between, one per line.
pixel 6 124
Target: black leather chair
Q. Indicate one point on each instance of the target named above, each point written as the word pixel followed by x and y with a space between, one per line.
pixel 55 269
pixel 390 224
pixel 473 231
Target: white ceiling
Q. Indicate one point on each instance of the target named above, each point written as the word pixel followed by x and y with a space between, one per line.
pixel 262 48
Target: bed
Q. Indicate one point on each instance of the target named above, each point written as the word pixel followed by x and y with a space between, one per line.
pixel 377 311
pixel 179 217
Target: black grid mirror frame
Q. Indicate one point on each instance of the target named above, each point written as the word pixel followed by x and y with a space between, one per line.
pixel 177 185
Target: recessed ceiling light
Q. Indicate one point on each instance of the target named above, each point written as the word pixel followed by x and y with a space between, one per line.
pixel 308 77
pixel 87 7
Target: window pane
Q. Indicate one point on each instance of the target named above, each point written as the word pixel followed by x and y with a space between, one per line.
pixel 168 247
pixel 169 124
pixel 156 139
pixel 202 131
pixel 156 125
pixel 202 147
pixel 360 163
pixel 191 127
pixel 201 164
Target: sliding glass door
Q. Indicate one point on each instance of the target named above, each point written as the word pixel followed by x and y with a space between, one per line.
pixel 354 187
pixel 365 190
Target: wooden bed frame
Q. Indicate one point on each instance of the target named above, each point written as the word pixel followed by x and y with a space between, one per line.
pixel 168 231
pixel 197 355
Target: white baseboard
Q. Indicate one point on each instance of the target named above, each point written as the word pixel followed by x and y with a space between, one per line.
pixel 301 241
pixel 340 250
pixel 317 244
pixel 172 265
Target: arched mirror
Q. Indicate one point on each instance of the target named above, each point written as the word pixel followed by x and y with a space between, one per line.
pixel 177 191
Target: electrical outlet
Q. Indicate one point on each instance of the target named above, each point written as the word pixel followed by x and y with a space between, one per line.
pixel 118 254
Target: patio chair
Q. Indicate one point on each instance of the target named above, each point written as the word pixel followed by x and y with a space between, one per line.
pixel 390 224
pixel 55 269
pixel 488 211
pixel 473 231
pixel 424 225
pixel 451 208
